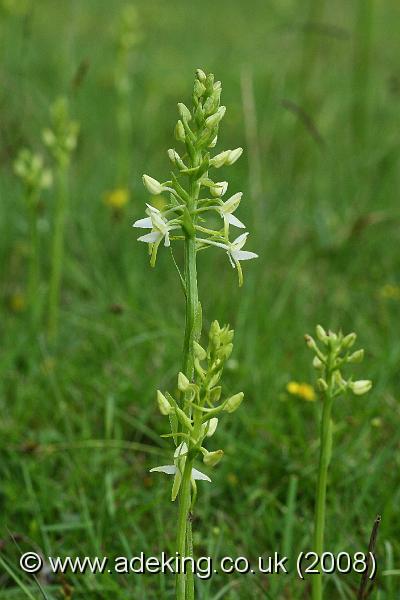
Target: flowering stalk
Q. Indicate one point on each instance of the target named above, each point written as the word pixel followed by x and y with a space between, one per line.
pixel 61 140
pixel 30 168
pixel 193 415
pixel 334 355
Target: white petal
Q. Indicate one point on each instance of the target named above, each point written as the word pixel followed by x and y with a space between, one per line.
pixel 168 469
pixel 240 241
pixel 199 475
pixel 232 203
pixel 152 208
pixel 167 242
pixel 181 450
pixel 151 238
pixel 235 221
pixel 143 223
pixel 243 255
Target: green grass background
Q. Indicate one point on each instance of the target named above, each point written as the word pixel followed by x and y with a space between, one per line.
pixel 313 95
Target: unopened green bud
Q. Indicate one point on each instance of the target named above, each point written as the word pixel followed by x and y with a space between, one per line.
pixel 201 76
pixel 348 341
pixel 184 112
pixel 220 159
pixel 219 189
pixel 180 134
pixel 225 351
pixel 153 186
pixel 213 120
pixel 356 357
pixel 214 142
pixel 212 458
pixel 234 155
pixel 321 334
pixel 163 404
pixel 317 363
pixel 212 426
pixel 173 155
pixel 199 89
pixel 233 402
pixel 360 387
pixel 199 351
pixel 322 386
pixel 183 383
pixel 310 342
pixel 215 394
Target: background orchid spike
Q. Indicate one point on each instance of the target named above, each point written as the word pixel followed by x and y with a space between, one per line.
pixel 190 205
pixel 332 354
pixel 332 357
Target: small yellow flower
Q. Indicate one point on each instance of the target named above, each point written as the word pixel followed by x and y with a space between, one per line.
pixel 390 291
pixel 305 391
pixel 17 302
pixel 117 199
pixel 376 422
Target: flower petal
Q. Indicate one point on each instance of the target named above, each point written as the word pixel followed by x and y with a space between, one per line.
pixel 151 238
pixel 235 221
pixel 199 475
pixel 243 255
pixel 240 241
pixel 181 450
pixel 143 223
pixel 168 469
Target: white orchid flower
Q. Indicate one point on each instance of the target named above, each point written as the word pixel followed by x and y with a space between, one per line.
pixel 234 252
pixel 177 469
pixel 227 209
pixel 160 227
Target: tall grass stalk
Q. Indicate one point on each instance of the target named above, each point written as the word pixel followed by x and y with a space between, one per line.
pixel 362 68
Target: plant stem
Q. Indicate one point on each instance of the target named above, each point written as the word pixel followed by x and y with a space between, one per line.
pixel 185 583
pixel 57 252
pixel 324 460
pixel 33 278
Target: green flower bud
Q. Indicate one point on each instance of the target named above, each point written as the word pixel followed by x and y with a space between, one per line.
pixel 321 334
pixel 201 76
pixel 212 458
pixel 184 112
pixel 233 402
pixel 220 159
pixel 183 383
pixel 163 404
pixel 153 186
pixel 180 134
pixel 356 357
pixel 348 341
pixel 199 351
pixel 214 142
pixel 360 387
pixel 212 426
pixel 219 189
pixel 215 394
pixel 213 120
pixel 317 363
pixel 322 386
pixel 199 89
pixel 234 155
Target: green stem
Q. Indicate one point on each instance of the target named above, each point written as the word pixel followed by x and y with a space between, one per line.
pixel 57 252
pixel 183 517
pixel 324 460
pixel 185 583
pixel 33 278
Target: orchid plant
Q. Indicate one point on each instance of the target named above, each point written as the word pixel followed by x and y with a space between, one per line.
pixel 194 411
pixel 36 177
pixel 61 140
pixel 329 360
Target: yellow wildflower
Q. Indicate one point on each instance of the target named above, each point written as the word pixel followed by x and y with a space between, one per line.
pixel 305 391
pixel 17 302
pixel 376 422
pixel 390 291
pixel 117 199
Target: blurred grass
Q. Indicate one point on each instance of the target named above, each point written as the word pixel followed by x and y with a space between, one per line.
pixel 79 425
